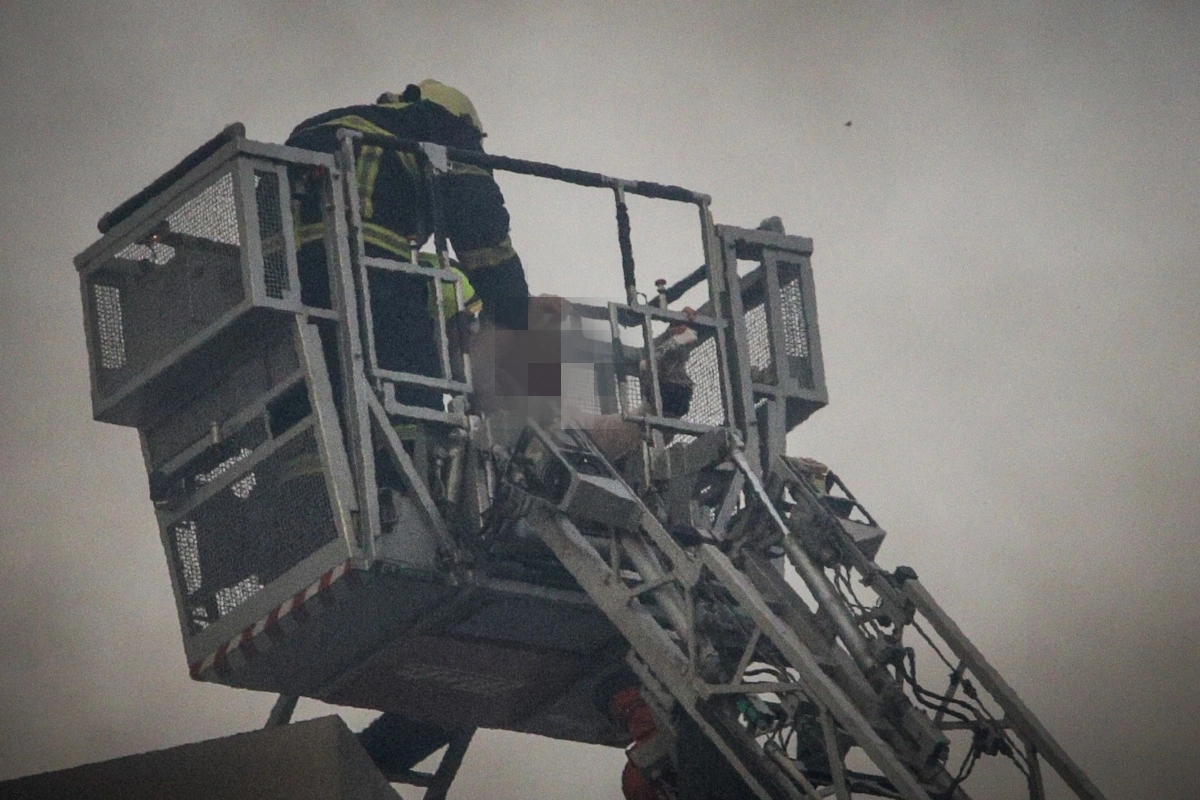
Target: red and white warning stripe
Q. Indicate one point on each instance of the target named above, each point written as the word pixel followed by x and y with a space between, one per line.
pixel 275 625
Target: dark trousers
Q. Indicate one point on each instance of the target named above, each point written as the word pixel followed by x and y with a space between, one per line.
pixel 403 329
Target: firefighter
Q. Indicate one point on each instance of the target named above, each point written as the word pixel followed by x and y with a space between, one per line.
pixel 397 216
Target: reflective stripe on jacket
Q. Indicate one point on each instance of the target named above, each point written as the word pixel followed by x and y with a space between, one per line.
pixel 386 240
pixel 395 199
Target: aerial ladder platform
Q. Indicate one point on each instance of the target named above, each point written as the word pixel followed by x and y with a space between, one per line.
pixel 469 569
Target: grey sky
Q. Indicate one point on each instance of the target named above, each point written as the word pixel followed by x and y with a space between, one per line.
pixel 1005 263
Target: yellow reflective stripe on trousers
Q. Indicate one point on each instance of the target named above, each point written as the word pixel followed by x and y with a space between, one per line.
pixel 311 232
pixel 484 257
pixel 302 465
pixel 407 431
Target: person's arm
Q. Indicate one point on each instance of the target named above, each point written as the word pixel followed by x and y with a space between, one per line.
pixel 477 224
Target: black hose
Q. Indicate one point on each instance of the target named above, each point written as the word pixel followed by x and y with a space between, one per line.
pixel 686 283
pixel 626 245
pixel 579 177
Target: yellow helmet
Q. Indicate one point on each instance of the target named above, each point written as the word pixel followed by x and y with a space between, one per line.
pixel 452 100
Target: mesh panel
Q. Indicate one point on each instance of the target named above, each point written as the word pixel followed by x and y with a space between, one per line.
pixel 213 462
pixel 794 334
pixel 253 530
pixel 239 386
pixel 231 597
pixel 758 340
pixel 270 227
pixel 151 252
pixel 189 555
pixel 211 215
pixel 109 327
pixel 704 368
pixel 795 326
pixel 156 294
pixel 223 467
pixel 242 487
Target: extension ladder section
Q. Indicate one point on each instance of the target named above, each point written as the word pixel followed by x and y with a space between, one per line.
pixel 782 687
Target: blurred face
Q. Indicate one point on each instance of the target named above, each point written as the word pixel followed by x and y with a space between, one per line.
pixel 508 367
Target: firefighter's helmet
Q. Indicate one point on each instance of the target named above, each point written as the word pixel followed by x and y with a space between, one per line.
pixel 452 100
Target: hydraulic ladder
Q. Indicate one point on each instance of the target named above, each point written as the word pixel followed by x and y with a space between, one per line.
pixel 782 685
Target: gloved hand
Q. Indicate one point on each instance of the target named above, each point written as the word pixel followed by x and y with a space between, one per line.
pixel 547 312
pixel 461 330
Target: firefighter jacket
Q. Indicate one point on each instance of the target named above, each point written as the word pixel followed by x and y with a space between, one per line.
pixel 396 203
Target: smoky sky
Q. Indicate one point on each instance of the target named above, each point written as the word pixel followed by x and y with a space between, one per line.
pixel 1005 245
